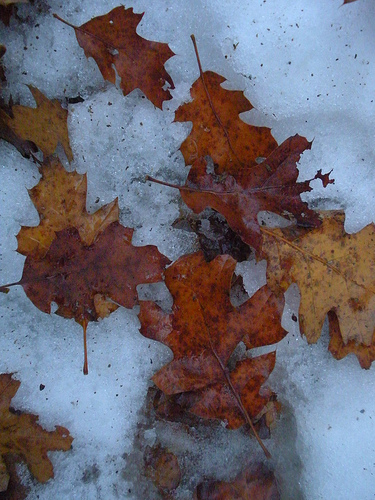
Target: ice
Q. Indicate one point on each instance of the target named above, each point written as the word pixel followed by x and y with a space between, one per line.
pixel 308 68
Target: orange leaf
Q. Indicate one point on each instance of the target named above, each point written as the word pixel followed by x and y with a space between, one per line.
pixel 204 329
pixel 218 130
pixel 20 434
pixel 45 125
pixel 334 272
pixel 60 198
pixel 112 41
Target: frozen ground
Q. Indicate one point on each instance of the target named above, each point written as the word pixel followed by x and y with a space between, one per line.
pixel 308 68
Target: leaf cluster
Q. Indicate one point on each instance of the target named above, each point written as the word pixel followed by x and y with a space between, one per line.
pixel 87 265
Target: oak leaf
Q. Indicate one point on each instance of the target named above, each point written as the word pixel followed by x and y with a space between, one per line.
pixel 218 131
pixel 60 199
pixel 20 434
pixel 271 185
pixel 256 482
pixel 334 272
pixel 112 41
pixel 203 331
pixel 45 125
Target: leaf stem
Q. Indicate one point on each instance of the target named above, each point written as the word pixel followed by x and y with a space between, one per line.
pixel 85 362
pixel 239 401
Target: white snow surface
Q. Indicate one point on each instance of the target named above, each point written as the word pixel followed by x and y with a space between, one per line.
pixel 307 68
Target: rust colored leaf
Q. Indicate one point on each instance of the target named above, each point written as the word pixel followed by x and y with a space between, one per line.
pixel 73 273
pixel 112 41
pixel 45 125
pixel 162 467
pixel 256 482
pixel 334 271
pixel 204 329
pixel 20 434
pixel 60 199
pixel 272 185
pixel 218 131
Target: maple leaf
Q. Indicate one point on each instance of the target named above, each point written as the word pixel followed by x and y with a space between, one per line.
pixel 112 41
pixel 256 482
pixel 271 185
pixel 83 262
pixel 45 125
pixel 60 199
pixel 333 270
pixel 218 131
pixel 79 278
pixel 20 434
pixel 204 329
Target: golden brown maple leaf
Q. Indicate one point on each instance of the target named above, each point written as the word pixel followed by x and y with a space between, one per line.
pixel 203 331
pixel 112 41
pixel 20 434
pixel 218 131
pixel 60 199
pixel 45 125
pixel 334 272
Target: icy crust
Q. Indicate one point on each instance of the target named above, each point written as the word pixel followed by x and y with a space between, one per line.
pixel 308 68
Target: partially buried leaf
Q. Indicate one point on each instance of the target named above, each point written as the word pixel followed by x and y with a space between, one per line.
pixel 20 434
pixel 60 198
pixel 254 483
pixel 218 131
pixel 203 331
pixel 112 41
pixel 334 271
pixel 272 185
pixel 45 125
pixel 162 467
pixel 214 235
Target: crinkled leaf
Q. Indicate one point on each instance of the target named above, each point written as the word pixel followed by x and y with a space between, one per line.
pixel 72 273
pixel 271 185
pixel 60 199
pixel 112 41
pixel 45 125
pixel 334 272
pixel 20 434
pixel 204 329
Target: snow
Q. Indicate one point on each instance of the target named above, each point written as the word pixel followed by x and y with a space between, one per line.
pixel 308 68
